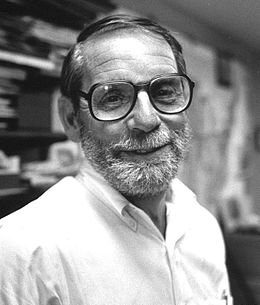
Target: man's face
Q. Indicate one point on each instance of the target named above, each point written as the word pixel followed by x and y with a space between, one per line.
pixel 139 154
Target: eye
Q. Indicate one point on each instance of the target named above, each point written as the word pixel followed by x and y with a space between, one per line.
pixel 166 92
pixel 111 100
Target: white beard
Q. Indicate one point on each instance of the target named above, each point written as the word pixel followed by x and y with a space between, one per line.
pixel 137 178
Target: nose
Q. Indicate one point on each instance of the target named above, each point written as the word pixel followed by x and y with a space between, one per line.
pixel 144 117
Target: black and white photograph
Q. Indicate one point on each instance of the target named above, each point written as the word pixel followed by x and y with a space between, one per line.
pixel 112 191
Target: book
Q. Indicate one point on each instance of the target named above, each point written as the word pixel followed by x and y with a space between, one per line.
pixel 8 111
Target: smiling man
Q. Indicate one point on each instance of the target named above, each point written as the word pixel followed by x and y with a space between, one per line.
pixel 125 230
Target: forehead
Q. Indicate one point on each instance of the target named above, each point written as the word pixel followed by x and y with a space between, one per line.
pixel 127 54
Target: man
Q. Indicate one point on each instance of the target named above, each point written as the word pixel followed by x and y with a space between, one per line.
pixel 125 230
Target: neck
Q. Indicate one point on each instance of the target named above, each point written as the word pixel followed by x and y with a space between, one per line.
pixel 154 207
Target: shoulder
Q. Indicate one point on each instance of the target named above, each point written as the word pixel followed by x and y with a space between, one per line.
pixel 47 205
pixel 30 237
pixel 201 248
pixel 25 228
pixel 187 200
pixel 202 225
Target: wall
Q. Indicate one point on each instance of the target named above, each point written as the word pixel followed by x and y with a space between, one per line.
pixel 254 181
pixel 165 13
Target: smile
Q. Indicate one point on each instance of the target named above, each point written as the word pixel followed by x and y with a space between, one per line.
pixel 144 154
pixel 146 151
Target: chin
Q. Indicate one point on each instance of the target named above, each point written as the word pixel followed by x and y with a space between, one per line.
pixel 139 174
pixel 143 193
pixel 141 179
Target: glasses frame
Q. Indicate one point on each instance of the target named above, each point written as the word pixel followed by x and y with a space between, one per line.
pixel 137 88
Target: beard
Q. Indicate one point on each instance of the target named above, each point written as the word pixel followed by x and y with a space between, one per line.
pixel 135 177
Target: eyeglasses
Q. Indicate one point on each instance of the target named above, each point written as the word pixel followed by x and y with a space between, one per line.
pixel 110 101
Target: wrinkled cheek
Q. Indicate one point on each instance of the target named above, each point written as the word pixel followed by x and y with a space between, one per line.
pixel 107 132
pixel 176 122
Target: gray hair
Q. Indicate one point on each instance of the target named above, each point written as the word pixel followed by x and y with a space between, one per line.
pixel 72 70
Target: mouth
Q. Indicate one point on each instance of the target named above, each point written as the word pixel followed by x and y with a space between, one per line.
pixel 145 153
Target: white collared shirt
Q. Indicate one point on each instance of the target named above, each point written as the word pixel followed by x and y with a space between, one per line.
pixel 83 243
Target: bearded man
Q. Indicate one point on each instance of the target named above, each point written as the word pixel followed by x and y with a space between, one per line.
pixel 125 231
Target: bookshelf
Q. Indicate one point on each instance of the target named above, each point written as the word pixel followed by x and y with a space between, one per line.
pixel 27 60
pixel 13 141
pixel 34 38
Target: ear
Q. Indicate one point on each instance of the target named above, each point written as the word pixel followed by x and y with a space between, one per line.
pixel 69 119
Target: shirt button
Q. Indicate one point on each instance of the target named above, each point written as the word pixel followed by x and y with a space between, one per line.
pixel 133 224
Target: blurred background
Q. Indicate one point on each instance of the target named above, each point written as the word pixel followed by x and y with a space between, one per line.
pixel 221 45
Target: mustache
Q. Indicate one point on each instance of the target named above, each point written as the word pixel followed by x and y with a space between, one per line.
pixel 153 140
pixel 156 139
pixel 178 139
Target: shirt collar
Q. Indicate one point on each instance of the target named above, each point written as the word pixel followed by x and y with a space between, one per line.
pixel 179 200
pixel 180 203
pixel 98 185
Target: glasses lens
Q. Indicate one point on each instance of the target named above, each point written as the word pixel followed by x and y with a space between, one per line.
pixel 170 94
pixel 112 101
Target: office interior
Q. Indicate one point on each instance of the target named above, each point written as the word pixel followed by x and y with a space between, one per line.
pixel 221 45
